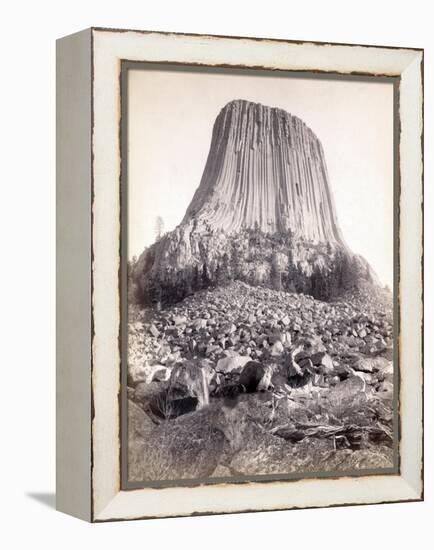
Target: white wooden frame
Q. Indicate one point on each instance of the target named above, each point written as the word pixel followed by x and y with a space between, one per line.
pixel 88 214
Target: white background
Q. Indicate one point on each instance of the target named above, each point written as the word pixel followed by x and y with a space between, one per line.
pixel 27 120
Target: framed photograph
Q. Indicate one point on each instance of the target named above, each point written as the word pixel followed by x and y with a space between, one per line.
pixel 239 267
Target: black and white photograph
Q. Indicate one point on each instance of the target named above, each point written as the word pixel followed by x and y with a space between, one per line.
pixel 259 319
pixel 217 266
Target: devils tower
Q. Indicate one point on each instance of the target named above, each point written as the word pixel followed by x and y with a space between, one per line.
pixel 263 213
pixel 265 169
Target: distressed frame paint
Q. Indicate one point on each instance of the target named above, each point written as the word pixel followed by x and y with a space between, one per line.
pixel 109 48
pixel 73 274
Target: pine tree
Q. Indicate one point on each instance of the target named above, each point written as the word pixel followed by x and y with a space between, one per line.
pixel 225 272
pixel 188 283
pixel 195 279
pixel 218 275
pixel 236 264
pixel 291 277
pixel 159 228
pixel 275 273
pixel 206 281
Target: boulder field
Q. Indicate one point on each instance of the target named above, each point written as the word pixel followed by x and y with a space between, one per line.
pixel 292 384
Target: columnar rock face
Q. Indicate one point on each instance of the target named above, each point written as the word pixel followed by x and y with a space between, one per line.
pixel 265 169
pixel 263 213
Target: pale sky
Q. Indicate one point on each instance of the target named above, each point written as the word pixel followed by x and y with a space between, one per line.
pixel 171 115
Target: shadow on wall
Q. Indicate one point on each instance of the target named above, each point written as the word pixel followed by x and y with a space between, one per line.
pixel 47 499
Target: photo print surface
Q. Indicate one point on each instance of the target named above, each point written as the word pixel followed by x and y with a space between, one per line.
pixel 258 311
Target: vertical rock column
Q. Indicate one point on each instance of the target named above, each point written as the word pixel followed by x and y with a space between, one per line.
pixel 265 168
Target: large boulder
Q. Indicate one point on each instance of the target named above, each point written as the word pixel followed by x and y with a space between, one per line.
pixel 346 390
pixel 186 391
pixel 139 423
pixel 146 392
pixel 153 330
pixel 232 363
pixel 371 364
pixel 139 428
pixel 138 373
pixel 323 362
pixel 199 324
pixel 252 376
pixel 189 379
pixel 178 320
pixel 189 447
pixel 222 471
pixel 277 348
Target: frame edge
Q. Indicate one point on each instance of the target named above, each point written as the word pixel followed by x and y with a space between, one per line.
pixel 73 274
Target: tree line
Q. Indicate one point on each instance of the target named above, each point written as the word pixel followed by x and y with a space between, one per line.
pixel 322 280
